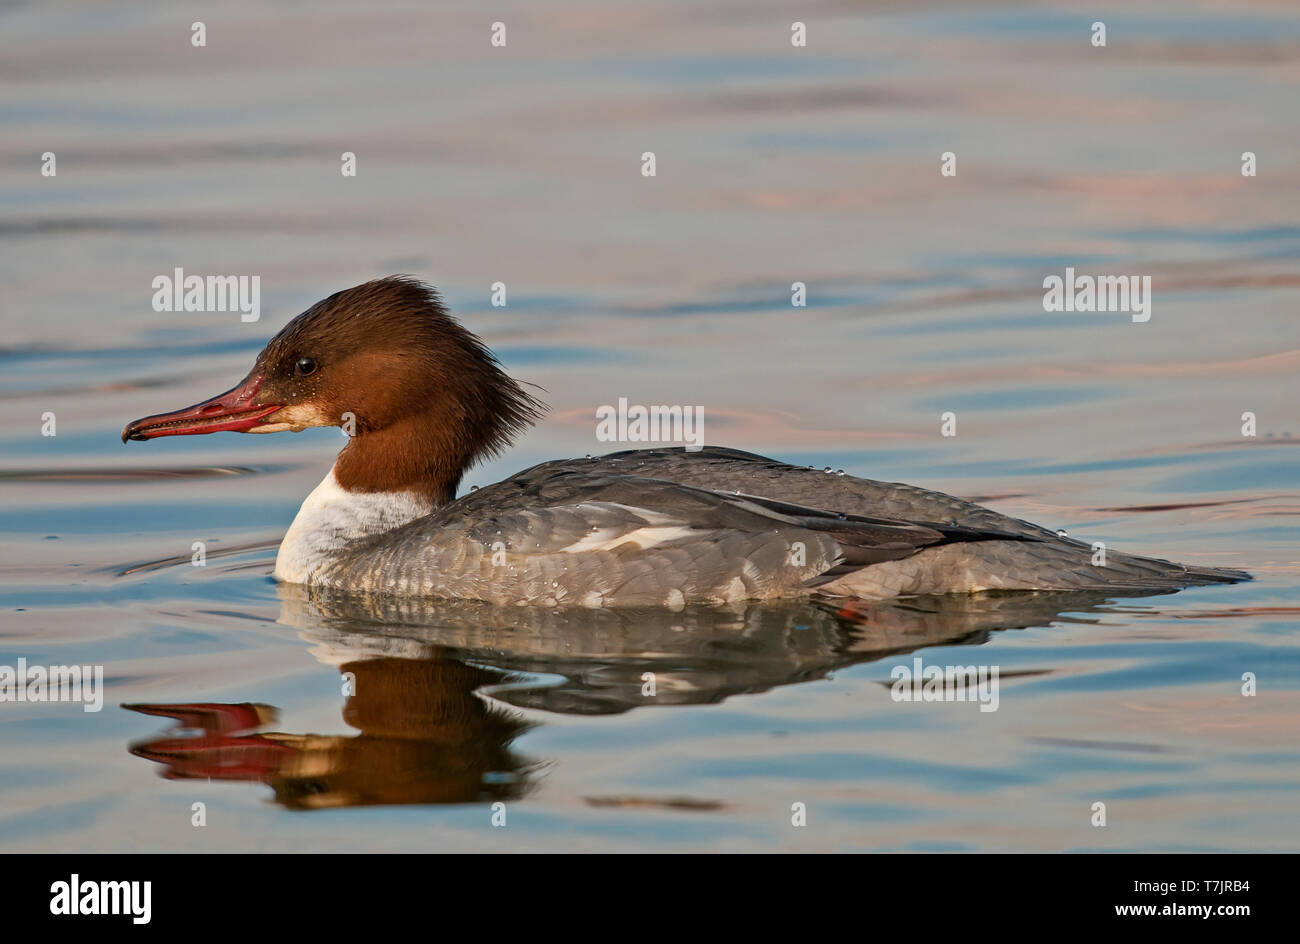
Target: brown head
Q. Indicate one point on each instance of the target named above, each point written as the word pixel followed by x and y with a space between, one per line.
pixel 423 397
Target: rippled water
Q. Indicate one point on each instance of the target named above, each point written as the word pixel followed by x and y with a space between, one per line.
pixel 775 165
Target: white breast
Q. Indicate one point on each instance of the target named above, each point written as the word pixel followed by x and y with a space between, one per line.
pixel 331 518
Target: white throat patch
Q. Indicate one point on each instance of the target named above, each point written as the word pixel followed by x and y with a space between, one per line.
pixel 331 518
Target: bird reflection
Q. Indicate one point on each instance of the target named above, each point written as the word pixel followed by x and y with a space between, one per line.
pixel 425 738
pixel 414 673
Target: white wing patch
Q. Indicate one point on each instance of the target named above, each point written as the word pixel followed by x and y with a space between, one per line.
pixel 657 528
pixel 606 539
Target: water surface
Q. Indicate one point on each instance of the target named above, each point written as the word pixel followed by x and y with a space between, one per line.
pixel 775 165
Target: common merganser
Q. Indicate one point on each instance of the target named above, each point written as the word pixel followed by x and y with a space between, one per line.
pixel 424 399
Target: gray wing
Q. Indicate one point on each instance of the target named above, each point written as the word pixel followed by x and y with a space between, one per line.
pixel 587 532
pixel 1037 559
pixel 722 469
pixel 665 526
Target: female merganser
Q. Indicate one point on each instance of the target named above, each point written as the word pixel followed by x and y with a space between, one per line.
pixel 424 399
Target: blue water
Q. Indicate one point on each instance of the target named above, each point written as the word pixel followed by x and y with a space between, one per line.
pixel 775 165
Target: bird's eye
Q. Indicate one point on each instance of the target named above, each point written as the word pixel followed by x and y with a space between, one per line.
pixel 304 365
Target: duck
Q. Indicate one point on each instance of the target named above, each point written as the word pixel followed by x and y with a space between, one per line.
pixel 422 400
